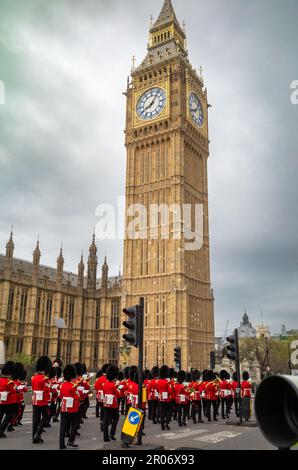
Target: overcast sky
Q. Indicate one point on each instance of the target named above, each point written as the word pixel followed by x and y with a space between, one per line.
pixel 65 64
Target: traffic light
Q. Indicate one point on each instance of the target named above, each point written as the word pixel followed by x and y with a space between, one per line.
pixel 232 348
pixel 133 324
pixel 177 357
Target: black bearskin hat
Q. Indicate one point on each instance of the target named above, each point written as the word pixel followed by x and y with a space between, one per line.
pixel 155 372
pixel 146 374
pixel 84 368
pixel 172 373
pixel 210 375
pixel 23 375
pixel 223 375
pixel 204 375
pixel 105 368
pixel 43 364
pixel 164 372
pixel 135 378
pixel 188 377
pixel 121 375
pixel 234 376
pixel 8 369
pixel 132 374
pixel 98 374
pixel 18 371
pixel 69 372
pixel 245 375
pixel 53 373
pixel 195 375
pixel 79 369
pixel 112 373
pixel 126 372
pixel 181 376
pixel 58 372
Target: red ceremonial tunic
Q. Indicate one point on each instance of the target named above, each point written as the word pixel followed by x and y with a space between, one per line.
pixel 98 387
pixel 110 393
pixel 70 397
pixel 246 389
pixel 182 394
pixel 41 388
pixel 211 391
pixel 196 393
pixel 225 389
pixel 8 392
pixel 163 387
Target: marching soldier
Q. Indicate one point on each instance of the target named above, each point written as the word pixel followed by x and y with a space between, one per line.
pixel 70 403
pixel 211 389
pixel 246 387
pixel 18 376
pixel 99 391
pixel 8 397
pixel 110 404
pixel 235 392
pixel 163 388
pixel 225 394
pixel 195 390
pixel 182 398
pixel 153 396
pixel 41 388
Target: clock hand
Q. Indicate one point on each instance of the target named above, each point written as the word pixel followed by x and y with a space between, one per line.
pixel 149 106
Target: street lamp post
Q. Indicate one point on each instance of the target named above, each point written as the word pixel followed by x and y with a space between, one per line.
pixel 125 351
pixel 60 324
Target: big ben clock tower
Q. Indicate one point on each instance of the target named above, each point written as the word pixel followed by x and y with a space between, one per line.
pixel 167 152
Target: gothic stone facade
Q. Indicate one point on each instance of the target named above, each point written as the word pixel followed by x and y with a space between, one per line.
pixel 32 295
pixel 167 152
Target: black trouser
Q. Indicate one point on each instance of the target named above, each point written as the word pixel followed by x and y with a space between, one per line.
pixel 196 408
pixel 165 413
pixel 110 416
pixel 58 409
pixel 68 426
pixel 210 403
pixel 173 410
pixel 9 412
pixel 182 413
pixel 40 419
pixel 155 408
pixel 86 404
pixel 97 408
pixel 224 407
pixel 236 403
pixel 52 411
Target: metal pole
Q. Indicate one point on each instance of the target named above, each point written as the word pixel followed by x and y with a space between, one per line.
pixel 238 377
pixel 58 344
pixel 141 353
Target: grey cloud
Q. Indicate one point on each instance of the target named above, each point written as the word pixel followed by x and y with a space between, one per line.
pixel 62 144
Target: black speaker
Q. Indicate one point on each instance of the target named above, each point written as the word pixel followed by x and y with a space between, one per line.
pixel 276 408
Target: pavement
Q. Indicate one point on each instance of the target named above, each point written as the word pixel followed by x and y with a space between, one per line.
pixel 208 436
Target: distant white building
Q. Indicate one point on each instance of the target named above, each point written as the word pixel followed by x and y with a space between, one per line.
pixel 246 330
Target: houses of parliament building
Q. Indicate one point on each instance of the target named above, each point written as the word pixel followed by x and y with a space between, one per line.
pixel 167 145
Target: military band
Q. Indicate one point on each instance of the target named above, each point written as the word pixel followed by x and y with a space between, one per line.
pixel 169 398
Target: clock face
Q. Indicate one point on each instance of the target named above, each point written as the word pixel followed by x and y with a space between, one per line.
pixel 151 103
pixel 196 109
